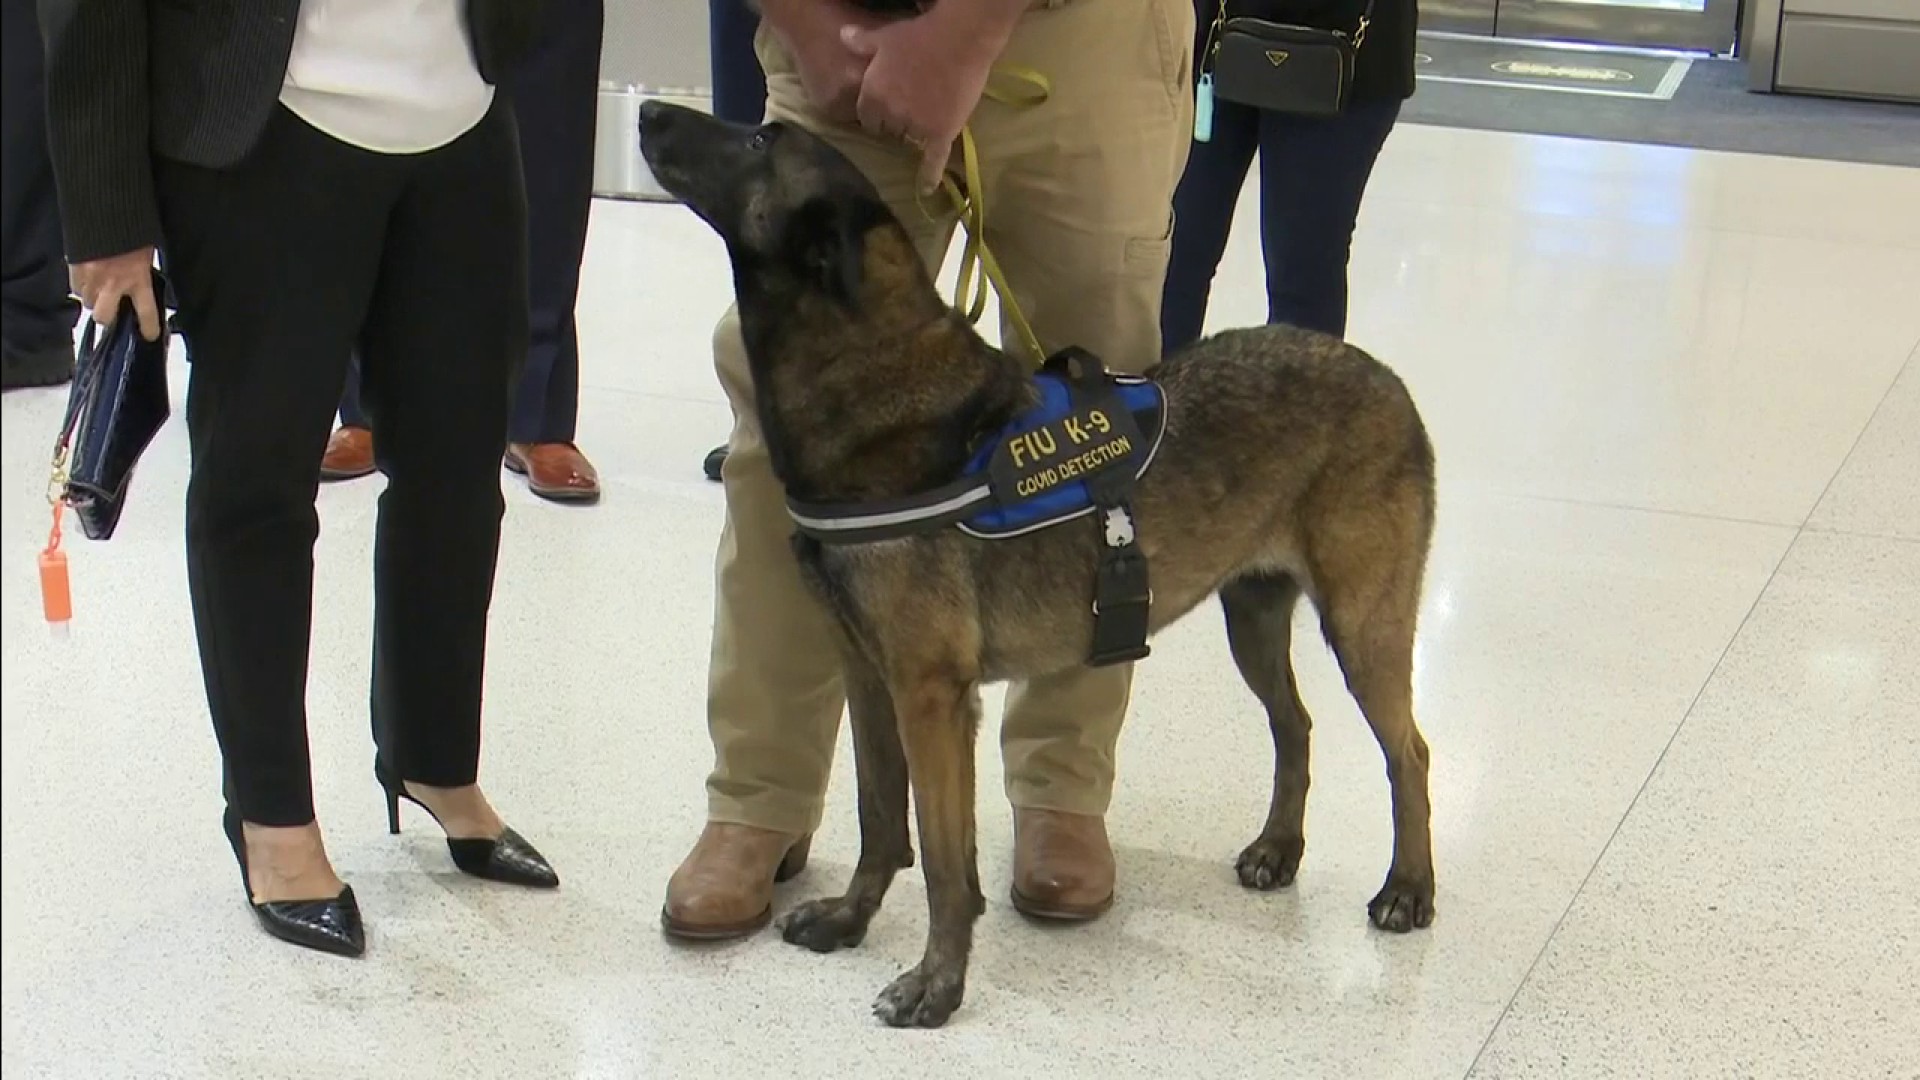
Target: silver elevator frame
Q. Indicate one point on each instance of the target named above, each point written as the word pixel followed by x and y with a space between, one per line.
pixel 1714 29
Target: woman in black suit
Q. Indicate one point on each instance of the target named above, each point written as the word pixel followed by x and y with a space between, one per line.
pixel 1313 172
pixel 322 175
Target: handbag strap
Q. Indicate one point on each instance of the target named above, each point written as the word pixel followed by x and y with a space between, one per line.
pixel 83 364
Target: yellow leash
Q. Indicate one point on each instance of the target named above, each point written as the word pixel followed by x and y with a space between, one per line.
pixel 978 267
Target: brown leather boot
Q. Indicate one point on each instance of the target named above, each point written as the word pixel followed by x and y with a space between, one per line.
pixel 1062 865
pixel 555 471
pixel 724 888
pixel 349 455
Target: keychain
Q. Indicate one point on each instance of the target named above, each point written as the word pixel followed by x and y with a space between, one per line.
pixel 1208 54
pixel 56 595
pixel 1203 109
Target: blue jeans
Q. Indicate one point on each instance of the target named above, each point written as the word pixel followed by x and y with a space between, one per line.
pixel 1313 173
pixel 739 87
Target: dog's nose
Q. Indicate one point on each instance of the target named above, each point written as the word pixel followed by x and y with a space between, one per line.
pixel 652 111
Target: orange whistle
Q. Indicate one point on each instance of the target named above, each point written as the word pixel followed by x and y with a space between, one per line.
pixel 55 596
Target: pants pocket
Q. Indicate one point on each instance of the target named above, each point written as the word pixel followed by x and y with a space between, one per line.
pixel 1173 28
pixel 1149 254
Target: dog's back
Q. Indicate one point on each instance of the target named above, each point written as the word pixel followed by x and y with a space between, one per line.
pixel 1271 407
pixel 1277 439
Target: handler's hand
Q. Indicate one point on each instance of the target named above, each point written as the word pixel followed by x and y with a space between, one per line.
pixel 103 283
pixel 924 77
pixel 830 71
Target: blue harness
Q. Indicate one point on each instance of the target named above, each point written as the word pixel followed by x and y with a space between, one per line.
pixel 1079 452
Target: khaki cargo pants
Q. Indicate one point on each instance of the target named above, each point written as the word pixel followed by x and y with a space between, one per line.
pixel 1079 195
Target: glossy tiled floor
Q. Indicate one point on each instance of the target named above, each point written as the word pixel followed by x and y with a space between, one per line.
pixel 1670 670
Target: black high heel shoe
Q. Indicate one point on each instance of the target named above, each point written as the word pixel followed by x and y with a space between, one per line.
pixel 329 926
pixel 507 858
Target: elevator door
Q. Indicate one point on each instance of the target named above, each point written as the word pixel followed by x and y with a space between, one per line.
pixel 1693 25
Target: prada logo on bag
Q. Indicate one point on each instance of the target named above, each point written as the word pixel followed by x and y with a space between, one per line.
pixel 1276 57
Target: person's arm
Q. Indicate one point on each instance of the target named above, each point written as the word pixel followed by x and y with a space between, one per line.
pixel 800 21
pixel 925 74
pixel 811 31
pixel 986 23
pixel 97 125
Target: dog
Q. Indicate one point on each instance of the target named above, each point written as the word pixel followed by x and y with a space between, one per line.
pixel 1261 464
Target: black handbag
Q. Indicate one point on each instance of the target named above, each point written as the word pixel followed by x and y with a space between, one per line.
pixel 1303 70
pixel 118 402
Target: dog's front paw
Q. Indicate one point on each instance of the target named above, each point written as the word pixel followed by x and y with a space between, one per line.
pixel 918 999
pixel 1402 905
pixel 824 925
pixel 1270 862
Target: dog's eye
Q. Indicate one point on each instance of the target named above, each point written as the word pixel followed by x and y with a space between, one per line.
pixel 760 139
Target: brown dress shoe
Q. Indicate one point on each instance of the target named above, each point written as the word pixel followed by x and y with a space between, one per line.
pixel 555 471
pixel 1062 865
pixel 724 889
pixel 349 455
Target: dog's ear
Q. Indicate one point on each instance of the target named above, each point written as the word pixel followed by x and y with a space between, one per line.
pixel 830 245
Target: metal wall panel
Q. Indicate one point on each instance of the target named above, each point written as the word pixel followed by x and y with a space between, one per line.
pixel 653 48
pixel 1850 57
pixel 656 44
pixel 1836 48
pixel 1890 10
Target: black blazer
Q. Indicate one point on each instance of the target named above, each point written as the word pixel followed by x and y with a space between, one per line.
pixel 189 80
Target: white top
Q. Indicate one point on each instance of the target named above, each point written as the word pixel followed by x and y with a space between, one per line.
pixel 392 76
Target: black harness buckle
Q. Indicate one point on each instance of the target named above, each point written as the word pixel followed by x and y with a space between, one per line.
pixel 1122 592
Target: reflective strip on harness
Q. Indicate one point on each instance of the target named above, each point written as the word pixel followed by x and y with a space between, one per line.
pixel 1081 450
pixel 863 522
pixel 1034 474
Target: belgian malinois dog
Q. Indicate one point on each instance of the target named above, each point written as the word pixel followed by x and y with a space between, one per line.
pixel 1288 463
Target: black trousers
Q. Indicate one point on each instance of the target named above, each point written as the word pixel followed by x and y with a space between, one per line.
pixel 555 95
pixel 1313 174
pixel 308 250
pixel 35 308
pixel 739 86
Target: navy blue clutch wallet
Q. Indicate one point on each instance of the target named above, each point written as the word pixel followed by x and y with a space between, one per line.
pixel 117 403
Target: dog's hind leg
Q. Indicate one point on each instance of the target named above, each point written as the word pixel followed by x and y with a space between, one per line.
pixel 1259 612
pixel 885 849
pixel 938 718
pixel 1367 569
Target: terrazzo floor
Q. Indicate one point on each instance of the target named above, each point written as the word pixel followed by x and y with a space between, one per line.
pixel 1669 668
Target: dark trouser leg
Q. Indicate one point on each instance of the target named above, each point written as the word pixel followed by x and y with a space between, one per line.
pixel 1313 174
pixel 273 263
pixel 555 94
pixel 1202 219
pixel 352 412
pixel 444 342
pixel 1203 206
pixel 37 311
pixel 739 86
